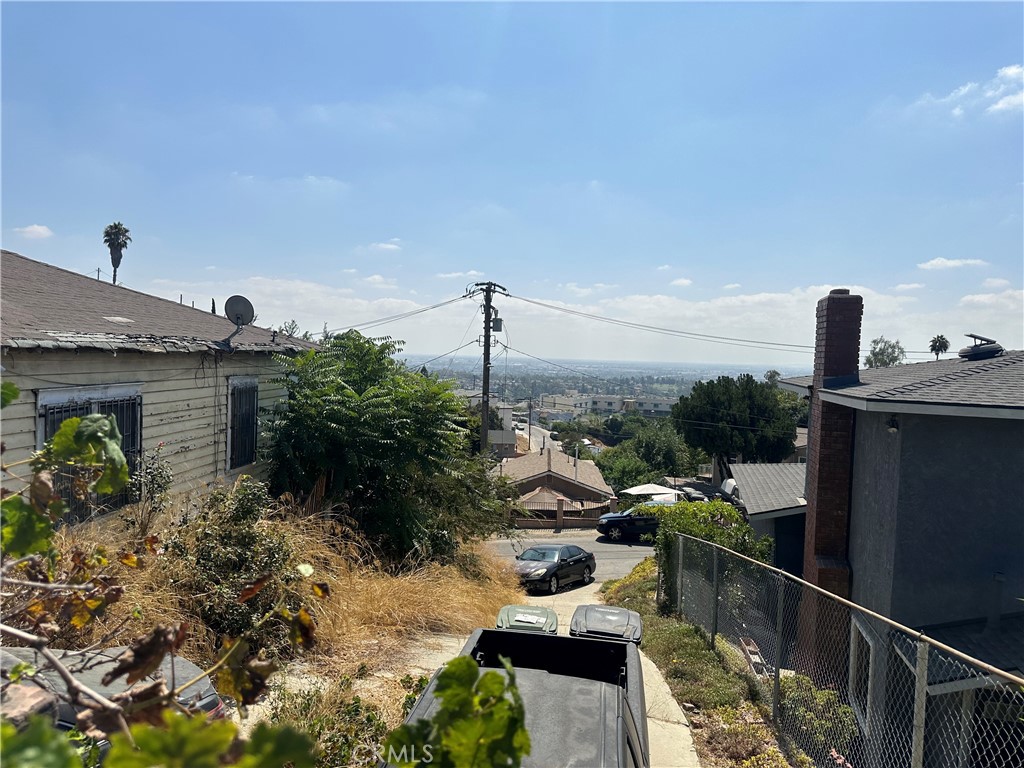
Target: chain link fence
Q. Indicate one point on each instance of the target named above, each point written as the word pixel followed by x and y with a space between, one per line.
pixel 847 687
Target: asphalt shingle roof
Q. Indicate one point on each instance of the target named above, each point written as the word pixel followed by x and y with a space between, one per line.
pixel 770 487
pixel 46 307
pixel 996 382
pixel 535 464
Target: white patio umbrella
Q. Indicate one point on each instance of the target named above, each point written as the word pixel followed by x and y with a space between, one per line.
pixel 651 489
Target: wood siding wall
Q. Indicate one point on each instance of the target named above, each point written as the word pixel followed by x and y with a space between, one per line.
pixel 184 401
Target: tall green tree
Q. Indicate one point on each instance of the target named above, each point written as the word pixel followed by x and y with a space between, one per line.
pixel 938 345
pixel 736 416
pixel 116 237
pixel 391 444
pixel 655 451
pixel 885 353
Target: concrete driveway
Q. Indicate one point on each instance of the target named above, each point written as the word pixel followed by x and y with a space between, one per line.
pixel 669 731
pixel 667 726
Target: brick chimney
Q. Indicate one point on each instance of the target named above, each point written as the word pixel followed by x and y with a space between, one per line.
pixel 824 630
pixel 830 443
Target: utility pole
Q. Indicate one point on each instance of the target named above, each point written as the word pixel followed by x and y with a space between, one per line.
pixel 491 322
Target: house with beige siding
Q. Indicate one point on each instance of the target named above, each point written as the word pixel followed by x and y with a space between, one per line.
pixel 171 374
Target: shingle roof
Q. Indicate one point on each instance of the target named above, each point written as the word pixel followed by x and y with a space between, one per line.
pixel 770 487
pixel 1002 647
pixel 996 382
pixel 46 307
pixel 537 464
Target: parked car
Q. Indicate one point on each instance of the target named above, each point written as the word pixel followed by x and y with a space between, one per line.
pixel 630 523
pixel 200 696
pixel 547 566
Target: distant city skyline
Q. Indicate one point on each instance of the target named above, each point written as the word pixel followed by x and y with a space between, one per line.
pixel 709 169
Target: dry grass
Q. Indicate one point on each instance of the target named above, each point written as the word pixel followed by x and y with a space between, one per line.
pixel 371 611
pixel 367 616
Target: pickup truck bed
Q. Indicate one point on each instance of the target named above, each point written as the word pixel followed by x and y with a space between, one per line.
pixel 583 698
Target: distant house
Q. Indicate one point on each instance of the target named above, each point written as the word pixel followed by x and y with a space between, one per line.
pixel 799 454
pixel 773 497
pixel 171 374
pixel 576 479
pixel 915 510
pixel 645 405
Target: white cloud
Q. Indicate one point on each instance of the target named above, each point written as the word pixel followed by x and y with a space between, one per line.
pixel 1014 101
pixel 379 281
pixel 34 232
pixel 349 271
pixel 394 244
pixel 995 282
pixel 583 290
pixel 1002 93
pixel 1006 300
pixel 941 263
pixel 450 275
pixel 308 185
pixel 664 267
pixel 210 268
pixel 908 286
pixel 731 286
pixel 682 281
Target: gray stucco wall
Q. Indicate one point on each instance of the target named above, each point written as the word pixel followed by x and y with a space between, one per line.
pixel 961 518
pixel 937 509
pixel 873 503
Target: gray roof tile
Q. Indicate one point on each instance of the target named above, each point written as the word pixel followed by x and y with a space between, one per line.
pixel 996 382
pixel 46 307
pixel 770 487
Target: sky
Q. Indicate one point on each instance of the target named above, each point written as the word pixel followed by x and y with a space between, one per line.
pixel 706 169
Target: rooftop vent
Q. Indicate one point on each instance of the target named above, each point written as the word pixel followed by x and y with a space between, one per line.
pixel 981 349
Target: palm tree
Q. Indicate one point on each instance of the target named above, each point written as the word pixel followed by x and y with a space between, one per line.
pixel 116 237
pixel 939 345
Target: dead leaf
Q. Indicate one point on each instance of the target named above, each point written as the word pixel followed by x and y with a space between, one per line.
pixel 302 629
pixel 128 558
pixel 321 589
pixel 253 588
pixel 144 655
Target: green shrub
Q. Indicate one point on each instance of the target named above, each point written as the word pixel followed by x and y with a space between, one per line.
pixel 770 759
pixel 717 522
pixel 149 491
pixel 815 717
pixel 738 733
pixel 346 730
pixel 227 546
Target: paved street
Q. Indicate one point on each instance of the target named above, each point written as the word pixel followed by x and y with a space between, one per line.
pixel 614 560
pixel 671 741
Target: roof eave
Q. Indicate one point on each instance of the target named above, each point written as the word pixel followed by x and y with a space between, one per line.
pixel 804 390
pixel 872 405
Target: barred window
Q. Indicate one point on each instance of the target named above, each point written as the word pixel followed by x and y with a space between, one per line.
pixel 124 403
pixel 243 397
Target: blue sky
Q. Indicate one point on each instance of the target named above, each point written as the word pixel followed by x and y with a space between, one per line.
pixel 704 168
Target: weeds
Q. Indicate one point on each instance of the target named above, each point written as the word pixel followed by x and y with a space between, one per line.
pixel 346 730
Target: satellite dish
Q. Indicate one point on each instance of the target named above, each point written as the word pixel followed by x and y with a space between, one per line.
pixel 239 310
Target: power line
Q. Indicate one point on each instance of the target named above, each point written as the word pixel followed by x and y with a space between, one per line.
pixel 727 340
pixel 395 318
pixel 450 352
pixel 556 365
pixel 755 344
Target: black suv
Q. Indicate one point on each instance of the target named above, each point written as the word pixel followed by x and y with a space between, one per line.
pixel 630 523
